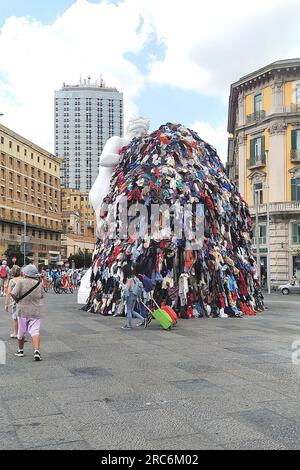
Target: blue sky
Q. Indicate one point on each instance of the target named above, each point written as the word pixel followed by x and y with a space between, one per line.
pixel 42 10
pixel 173 60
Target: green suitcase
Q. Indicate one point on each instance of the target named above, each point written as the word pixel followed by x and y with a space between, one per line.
pixel 163 318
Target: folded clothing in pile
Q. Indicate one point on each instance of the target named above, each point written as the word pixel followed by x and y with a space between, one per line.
pixel 173 167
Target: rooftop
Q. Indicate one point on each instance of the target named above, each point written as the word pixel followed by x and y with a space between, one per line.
pixel 87 84
pixel 278 66
pixel 273 70
pixel 28 143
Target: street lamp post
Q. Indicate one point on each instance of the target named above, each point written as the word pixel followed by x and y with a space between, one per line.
pixel 83 251
pixel 25 228
pixel 80 216
pixel 257 238
pixel 268 224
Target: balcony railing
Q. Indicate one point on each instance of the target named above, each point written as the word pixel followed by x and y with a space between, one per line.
pixel 295 155
pixel 255 117
pixel 257 162
pixel 277 207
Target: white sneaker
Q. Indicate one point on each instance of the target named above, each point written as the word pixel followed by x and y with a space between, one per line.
pixel 37 355
pixel 20 353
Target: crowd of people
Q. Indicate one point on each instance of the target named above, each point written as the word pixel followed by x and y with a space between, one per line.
pixel 64 279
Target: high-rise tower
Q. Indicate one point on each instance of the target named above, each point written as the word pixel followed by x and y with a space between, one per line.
pixel 86 116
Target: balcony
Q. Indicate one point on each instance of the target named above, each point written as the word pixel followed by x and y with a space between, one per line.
pixel 295 155
pixel 257 116
pixel 277 208
pixel 257 162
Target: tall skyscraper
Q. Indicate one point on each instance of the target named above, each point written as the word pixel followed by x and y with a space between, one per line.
pixel 86 116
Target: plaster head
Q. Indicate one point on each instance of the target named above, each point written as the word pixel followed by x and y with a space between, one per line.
pixel 137 126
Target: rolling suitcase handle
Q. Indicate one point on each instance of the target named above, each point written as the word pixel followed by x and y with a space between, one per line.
pixel 146 307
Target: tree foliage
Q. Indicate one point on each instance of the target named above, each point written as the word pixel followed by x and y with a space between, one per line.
pixel 81 259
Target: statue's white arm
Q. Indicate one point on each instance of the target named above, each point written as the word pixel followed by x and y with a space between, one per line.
pixel 108 161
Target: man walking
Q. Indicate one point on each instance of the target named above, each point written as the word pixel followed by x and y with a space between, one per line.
pixel 28 294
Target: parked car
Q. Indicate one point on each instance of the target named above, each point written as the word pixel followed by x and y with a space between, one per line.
pixel 290 288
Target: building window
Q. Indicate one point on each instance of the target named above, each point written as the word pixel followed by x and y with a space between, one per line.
pixel 257 193
pixel 257 151
pixel 296 234
pixel 295 189
pixel 298 95
pixel 262 229
pixel 296 139
pixel 18 148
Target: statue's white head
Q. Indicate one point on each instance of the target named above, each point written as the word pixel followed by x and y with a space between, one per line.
pixel 137 126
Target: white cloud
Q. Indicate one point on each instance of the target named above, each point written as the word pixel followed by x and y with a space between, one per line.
pixel 212 44
pixel 207 46
pixel 216 136
pixel 36 59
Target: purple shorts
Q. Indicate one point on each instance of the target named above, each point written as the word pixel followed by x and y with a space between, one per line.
pixel 30 325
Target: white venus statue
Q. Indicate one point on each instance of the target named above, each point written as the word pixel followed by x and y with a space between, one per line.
pixel 109 159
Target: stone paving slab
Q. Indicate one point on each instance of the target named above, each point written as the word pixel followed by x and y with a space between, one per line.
pixel 45 430
pixel 31 407
pixel 207 384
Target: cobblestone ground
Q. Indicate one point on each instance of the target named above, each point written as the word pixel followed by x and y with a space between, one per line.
pixel 207 384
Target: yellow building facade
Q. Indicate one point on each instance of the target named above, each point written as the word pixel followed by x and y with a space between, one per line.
pixel 30 199
pixel 264 160
pixel 78 222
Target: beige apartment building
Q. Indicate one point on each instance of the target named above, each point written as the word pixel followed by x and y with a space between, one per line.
pixel 78 223
pixel 264 160
pixel 30 199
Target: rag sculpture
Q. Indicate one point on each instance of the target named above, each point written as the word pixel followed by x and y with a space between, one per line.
pixel 174 171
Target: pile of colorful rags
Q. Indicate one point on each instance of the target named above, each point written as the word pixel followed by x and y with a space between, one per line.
pixel 173 165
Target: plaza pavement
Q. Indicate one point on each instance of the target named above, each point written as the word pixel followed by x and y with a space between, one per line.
pixel 207 384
